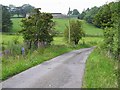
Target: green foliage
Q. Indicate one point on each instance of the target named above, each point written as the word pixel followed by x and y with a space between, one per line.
pixel 75 12
pixel 76 32
pixel 109 14
pixel 20 11
pixel 16 25
pixel 103 17
pixel 0 18
pixel 6 20
pixel 82 15
pixel 38 29
pixel 106 17
pixel 90 14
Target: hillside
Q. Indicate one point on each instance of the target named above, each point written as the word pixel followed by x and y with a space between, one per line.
pixel 60 25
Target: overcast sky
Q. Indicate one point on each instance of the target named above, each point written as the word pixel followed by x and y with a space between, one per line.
pixel 57 6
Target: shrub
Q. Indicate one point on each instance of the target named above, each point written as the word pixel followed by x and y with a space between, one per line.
pixel 76 32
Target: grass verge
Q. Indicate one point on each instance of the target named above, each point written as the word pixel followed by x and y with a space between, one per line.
pixel 101 71
pixel 13 65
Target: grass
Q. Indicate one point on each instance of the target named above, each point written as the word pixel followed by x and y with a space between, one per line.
pixel 9 38
pixel 60 24
pixel 100 71
pixel 16 25
pixel 92 30
pixel 93 41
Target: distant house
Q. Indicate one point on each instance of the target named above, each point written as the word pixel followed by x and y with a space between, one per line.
pixel 59 15
pixel 55 15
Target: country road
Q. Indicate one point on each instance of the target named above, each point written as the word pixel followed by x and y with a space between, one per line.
pixel 64 71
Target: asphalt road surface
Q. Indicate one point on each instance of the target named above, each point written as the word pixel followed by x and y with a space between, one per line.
pixel 64 71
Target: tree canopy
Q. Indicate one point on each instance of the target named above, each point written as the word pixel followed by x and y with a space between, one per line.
pixel 6 19
pixel 107 18
pixel 21 10
pixel 75 12
pixel 38 29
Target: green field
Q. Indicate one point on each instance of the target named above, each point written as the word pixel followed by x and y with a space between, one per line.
pixel 16 25
pixel 17 64
pixel 60 25
pixel 92 30
pixel 9 38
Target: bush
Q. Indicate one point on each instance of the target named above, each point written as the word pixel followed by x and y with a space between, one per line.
pixel 76 32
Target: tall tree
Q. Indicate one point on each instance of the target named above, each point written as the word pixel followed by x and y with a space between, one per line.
pixel 75 12
pixel 76 32
pixel 0 18
pixel 103 17
pixel 90 14
pixel 82 15
pixel 6 19
pixel 38 29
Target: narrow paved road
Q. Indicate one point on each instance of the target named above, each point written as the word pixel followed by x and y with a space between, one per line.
pixel 64 71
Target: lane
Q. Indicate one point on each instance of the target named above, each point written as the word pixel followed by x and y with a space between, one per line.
pixel 64 71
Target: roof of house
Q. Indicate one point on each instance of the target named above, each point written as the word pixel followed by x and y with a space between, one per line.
pixel 56 13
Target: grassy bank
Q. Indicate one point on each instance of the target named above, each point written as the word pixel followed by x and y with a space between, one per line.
pixel 100 71
pixel 91 30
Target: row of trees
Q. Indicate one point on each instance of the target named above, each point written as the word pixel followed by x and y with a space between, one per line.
pixel 107 18
pixel 21 10
pixel 89 14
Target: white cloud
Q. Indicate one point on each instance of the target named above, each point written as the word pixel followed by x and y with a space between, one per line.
pixel 57 5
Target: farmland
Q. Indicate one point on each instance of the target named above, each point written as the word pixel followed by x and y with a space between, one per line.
pixel 16 25
pixel 60 25
pixel 59 43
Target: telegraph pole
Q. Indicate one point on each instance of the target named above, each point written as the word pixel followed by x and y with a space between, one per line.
pixel 69 23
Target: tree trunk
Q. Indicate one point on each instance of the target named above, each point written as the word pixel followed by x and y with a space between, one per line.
pixel 76 42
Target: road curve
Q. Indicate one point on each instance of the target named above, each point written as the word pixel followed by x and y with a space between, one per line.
pixel 64 71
